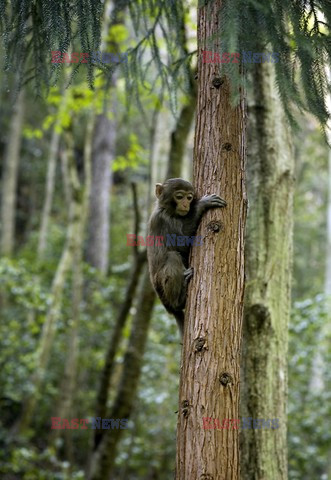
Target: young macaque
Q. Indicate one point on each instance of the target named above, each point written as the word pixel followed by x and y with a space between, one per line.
pixel 177 214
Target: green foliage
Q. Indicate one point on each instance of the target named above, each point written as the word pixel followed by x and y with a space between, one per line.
pixel 26 289
pixel 31 464
pixel 299 31
pixel 32 30
pixel 134 156
pixel 149 444
pixel 309 410
pixel 310 212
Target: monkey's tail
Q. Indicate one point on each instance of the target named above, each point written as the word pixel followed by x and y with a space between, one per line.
pixel 179 316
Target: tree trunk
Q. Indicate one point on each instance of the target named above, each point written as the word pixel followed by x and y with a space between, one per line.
pixel 70 372
pixel 50 182
pixel 9 177
pixel 99 221
pixel 103 154
pixel 209 384
pixel 104 458
pixel 65 174
pixel 180 134
pixel 182 129
pixel 268 270
pixel 102 397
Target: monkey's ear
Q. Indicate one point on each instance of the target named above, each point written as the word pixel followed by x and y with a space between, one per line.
pixel 158 189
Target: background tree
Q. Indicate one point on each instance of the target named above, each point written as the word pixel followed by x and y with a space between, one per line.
pixel 9 179
pixel 270 167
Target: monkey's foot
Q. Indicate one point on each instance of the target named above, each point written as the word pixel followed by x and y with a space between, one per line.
pixel 188 274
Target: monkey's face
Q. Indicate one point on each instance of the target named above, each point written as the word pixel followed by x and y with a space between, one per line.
pixel 175 196
pixel 183 201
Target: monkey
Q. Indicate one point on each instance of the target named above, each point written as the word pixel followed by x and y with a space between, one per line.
pixel 177 213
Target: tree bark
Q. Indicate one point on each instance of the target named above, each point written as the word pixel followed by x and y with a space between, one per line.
pixel 209 384
pixel 99 221
pixel 268 270
pixel 49 190
pixel 9 177
pixel 103 154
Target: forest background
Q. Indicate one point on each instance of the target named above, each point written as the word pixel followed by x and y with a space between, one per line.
pixel 81 147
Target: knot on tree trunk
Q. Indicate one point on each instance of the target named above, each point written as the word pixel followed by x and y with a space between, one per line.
pixel 225 379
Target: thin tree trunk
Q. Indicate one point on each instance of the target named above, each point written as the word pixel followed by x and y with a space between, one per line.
pixel 209 384
pixel 138 263
pixel 268 270
pixel 49 327
pixel 103 153
pixel 64 172
pixel 99 221
pixel 50 181
pixel 9 177
pixel 70 372
pixel 104 457
pixel 180 134
pixel 102 397
pixel 182 129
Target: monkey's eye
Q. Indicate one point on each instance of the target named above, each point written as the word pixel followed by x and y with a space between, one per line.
pixel 179 197
pixel 190 198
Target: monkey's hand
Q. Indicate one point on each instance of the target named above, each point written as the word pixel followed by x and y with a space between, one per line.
pixel 213 201
pixel 207 202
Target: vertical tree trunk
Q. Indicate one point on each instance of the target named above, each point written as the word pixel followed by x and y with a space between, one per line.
pixel 49 190
pixel 268 270
pixel 50 179
pixel 9 177
pixel 70 372
pixel 209 384
pixel 64 173
pixel 180 134
pixel 103 153
pixel 99 221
